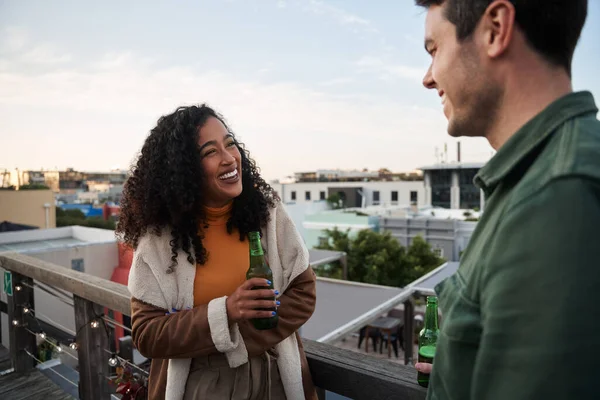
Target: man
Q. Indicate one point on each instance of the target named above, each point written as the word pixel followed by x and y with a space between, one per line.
pixel 521 314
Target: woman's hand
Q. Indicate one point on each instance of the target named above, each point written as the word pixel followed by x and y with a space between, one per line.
pixel 246 303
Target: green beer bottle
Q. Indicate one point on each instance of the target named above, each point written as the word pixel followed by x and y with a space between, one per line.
pixel 428 338
pixel 260 269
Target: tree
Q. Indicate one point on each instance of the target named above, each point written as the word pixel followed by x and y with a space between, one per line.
pixel 378 258
pixel 421 258
pixel 335 201
pixel 77 217
pixel 34 186
pixel 336 241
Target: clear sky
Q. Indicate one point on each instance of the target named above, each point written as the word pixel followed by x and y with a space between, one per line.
pixel 305 84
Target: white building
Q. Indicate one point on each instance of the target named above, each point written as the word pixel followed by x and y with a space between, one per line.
pixel 90 250
pixel 355 194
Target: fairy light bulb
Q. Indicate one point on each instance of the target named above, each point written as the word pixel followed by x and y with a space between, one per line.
pixel 95 324
pixel 15 322
pixel 59 349
pixel 73 346
pixel 42 335
pixel 26 310
pixel 18 288
pixel 112 361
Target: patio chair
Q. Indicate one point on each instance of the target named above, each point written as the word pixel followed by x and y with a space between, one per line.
pixel 374 335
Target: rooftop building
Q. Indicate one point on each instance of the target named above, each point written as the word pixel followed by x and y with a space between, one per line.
pixel 338 175
pixel 28 207
pixel 451 185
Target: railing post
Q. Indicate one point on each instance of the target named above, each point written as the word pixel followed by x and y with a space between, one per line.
pixel 321 393
pixel 93 359
pixel 344 262
pixel 20 340
pixel 409 318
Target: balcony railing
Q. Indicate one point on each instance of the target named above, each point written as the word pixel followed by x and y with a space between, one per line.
pixel 333 369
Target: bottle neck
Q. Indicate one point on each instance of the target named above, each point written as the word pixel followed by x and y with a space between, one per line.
pixel 431 317
pixel 256 249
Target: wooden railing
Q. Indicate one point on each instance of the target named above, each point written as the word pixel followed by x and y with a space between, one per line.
pixel 333 369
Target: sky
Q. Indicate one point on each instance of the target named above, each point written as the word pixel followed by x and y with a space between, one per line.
pixel 306 85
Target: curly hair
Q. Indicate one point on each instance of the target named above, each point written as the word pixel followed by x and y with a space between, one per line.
pixel 164 189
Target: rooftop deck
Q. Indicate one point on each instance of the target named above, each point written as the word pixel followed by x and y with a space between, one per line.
pixel 31 385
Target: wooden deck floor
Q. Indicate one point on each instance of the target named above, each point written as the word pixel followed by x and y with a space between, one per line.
pixel 4 359
pixel 33 385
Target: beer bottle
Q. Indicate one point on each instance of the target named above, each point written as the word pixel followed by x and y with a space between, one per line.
pixel 428 338
pixel 260 269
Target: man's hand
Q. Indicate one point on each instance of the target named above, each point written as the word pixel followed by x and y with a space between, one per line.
pixel 423 368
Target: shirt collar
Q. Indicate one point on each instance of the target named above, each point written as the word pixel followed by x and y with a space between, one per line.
pixel 531 135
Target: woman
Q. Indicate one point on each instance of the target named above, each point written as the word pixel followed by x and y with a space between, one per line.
pixel 187 209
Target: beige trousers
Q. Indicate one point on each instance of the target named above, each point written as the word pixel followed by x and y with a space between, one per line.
pixel 211 378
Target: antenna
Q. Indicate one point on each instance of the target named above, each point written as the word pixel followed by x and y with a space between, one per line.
pixel 445 152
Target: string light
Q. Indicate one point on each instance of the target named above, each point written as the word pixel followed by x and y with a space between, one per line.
pixel 18 288
pixel 113 361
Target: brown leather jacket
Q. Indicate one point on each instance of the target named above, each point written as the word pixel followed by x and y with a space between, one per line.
pixel 186 334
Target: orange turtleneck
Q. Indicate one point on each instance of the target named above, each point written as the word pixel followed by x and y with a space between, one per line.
pixel 228 258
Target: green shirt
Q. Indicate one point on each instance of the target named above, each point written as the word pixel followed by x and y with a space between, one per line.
pixel 521 315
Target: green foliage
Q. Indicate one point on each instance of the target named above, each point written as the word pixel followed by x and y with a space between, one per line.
pixel 11 187
pixel 76 217
pixel 99 222
pixel 73 214
pixel 334 201
pixel 378 258
pixel 34 186
pixel 421 258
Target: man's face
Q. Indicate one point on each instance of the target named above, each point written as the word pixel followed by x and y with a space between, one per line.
pixel 469 97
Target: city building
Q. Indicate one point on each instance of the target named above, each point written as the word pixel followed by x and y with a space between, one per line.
pixel 71 181
pixel 448 238
pixel 28 207
pixel 450 185
pixel 354 194
pixel 447 231
pixel 338 175
pixel 352 220
pixel 41 177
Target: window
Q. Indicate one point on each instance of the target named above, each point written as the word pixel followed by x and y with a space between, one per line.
pixel 322 196
pixel 394 196
pixel 294 196
pixel 414 196
pixel 77 264
pixel 307 195
pixel 470 195
pixel 376 197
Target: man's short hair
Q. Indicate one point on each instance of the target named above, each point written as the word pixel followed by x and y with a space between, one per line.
pixel 552 27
